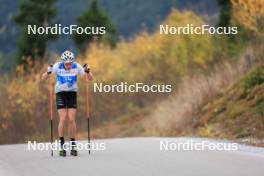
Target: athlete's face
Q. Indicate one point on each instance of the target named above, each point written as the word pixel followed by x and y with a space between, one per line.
pixel 67 65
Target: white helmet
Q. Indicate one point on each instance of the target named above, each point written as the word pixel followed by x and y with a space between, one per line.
pixel 67 56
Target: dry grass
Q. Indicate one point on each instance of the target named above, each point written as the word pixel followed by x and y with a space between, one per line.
pixel 179 114
pixel 176 113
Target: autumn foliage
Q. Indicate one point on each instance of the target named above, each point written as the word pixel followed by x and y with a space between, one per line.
pixel 250 13
pixel 147 58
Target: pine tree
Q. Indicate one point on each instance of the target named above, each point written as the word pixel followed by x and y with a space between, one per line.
pixel 39 13
pixel 225 12
pixel 94 17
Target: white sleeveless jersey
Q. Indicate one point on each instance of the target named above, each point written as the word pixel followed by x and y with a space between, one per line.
pixel 67 79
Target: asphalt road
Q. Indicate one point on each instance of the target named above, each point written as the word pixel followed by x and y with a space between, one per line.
pixel 133 157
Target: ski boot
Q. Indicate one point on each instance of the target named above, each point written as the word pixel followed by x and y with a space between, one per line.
pixel 62 153
pixel 73 147
pixel 74 152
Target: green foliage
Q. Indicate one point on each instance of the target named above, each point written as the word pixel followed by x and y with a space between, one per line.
pixel 39 13
pixel 255 78
pixel 95 17
pixel 233 44
pixel 260 107
pixel 226 19
pixel 225 12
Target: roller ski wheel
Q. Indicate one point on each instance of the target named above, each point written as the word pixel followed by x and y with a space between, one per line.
pixel 62 153
pixel 74 153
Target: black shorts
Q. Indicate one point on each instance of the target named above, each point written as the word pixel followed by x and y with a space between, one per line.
pixel 66 100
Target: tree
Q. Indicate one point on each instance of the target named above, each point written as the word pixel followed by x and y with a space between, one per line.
pixel 41 14
pixel 94 17
pixel 250 13
pixel 225 12
pixel 226 19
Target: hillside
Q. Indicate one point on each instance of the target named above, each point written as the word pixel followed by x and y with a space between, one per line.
pixel 235 114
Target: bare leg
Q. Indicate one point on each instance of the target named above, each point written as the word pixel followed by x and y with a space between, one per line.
pixel 62 114
pixel 72 124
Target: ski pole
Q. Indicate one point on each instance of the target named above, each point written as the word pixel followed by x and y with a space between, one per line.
pixel 88 126
pixel 88 113
pixel 51 114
